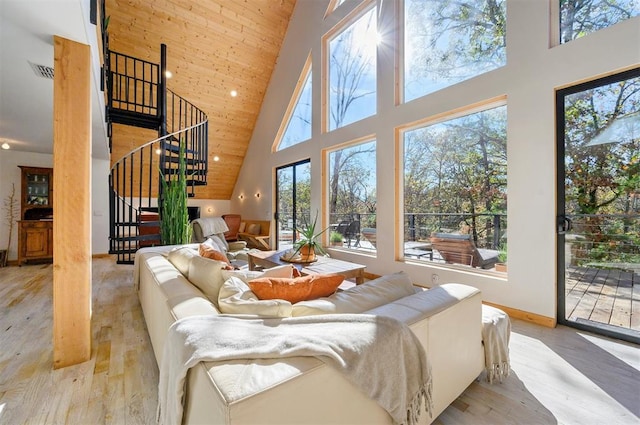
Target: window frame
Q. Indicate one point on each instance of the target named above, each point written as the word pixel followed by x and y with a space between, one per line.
pixel 306 72
pixel 342 25
pixel 326 164
pixel 400 131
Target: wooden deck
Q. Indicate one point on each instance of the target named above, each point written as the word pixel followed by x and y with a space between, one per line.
pixel 605 296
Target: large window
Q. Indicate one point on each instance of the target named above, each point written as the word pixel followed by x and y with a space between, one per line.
pixel 352 195
pixel 581 17
pixel 447 42
pixel 352 72
pixel 455 183
pixel 296 126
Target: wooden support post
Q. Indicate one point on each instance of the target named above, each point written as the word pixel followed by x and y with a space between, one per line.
pixel 71 203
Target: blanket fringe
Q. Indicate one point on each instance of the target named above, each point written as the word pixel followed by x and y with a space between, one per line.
pixel 414 409
pixel 498 371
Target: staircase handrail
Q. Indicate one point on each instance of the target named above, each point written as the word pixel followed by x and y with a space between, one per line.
pixel 128 154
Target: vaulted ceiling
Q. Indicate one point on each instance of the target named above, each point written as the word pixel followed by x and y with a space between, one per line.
pixel 213 47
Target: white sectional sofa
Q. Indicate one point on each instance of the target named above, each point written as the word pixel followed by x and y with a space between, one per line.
pixel 303 390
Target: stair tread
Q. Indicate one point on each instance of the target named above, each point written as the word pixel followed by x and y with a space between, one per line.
pixel 133 118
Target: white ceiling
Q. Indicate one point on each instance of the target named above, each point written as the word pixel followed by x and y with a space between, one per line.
pixel 27 28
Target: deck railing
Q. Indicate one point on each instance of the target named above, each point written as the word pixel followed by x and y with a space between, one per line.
pixel 489 230
pixel 603 238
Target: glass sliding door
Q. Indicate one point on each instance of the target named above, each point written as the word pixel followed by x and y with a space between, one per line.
pixel 598 222
pixel 293 200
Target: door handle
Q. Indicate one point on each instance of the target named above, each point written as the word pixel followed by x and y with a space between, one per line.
pixel 563 224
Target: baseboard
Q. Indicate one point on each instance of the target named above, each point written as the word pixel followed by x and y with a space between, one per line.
pixel 545 321
pixel 105 255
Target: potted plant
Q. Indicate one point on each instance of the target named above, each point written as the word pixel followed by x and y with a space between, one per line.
pixel 11 214
pixel 174 215
pixel 308 245
pixel 501 265
pixel 335 238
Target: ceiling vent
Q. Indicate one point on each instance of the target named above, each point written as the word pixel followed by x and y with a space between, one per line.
pixel 42 70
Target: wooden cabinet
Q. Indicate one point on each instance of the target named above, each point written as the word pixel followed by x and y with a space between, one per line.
pixel 35 241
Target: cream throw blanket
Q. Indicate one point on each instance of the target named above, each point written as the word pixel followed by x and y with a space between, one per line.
pixel 367 349
pixel 212 225
pixel 496 331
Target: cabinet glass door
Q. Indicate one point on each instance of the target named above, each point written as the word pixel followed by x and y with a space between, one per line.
pixel 37 189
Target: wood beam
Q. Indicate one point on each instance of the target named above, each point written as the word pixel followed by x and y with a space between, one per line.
pixel 71 203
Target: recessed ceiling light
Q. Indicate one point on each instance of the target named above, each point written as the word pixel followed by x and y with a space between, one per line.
pixel 233 93
pixel 216 158
pixel 5 146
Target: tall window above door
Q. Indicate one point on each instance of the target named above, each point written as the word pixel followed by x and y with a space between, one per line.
pixel 448 42
pixel 351 51
pixel 296 125
pixel 581 17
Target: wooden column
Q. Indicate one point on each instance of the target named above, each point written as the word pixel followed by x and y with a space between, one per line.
pixel 71 203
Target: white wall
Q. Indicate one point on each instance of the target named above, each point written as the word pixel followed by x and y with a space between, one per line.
pixel 99 206
pixel 529 80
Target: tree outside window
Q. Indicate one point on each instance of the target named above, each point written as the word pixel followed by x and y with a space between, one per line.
pixel 446 42
pixel 352 191
pixel 581 17
pixel 602 172
pixel 455 178
pixel 299 125
pixel 352 72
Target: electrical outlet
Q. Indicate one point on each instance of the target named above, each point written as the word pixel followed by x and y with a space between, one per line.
pixel 434 279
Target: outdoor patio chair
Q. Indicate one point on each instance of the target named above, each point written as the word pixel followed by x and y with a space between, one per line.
pixel 349 230
pixel 353 232
pixel 460 249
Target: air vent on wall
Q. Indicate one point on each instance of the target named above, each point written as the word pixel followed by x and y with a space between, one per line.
pixel 42 70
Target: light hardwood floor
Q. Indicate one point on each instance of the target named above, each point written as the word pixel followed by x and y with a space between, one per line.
pixel 559 376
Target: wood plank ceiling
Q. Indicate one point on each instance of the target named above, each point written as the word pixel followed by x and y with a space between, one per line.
pixel 213 47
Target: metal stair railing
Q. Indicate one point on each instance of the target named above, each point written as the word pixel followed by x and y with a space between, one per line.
pixel 137 96
pixel 134 188
pixel 134 91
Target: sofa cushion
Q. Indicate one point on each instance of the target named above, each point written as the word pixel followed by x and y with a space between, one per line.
pixel 181 258
pixel 425 303
pixel 254 229
pixel 206 274
pixel 235 297
pixel 207 251
pixel 296 289
pixel 360 298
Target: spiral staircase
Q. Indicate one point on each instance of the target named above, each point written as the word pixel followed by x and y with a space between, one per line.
pixel 137 95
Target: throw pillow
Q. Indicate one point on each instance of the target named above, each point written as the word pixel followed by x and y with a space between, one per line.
pixel 242 226
pixel 181 258
pixel 360 298
pixel 207 251
pixel 206 275
pixel 254 229
pixel 235 297
pixel 296 289
pixel 247 275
